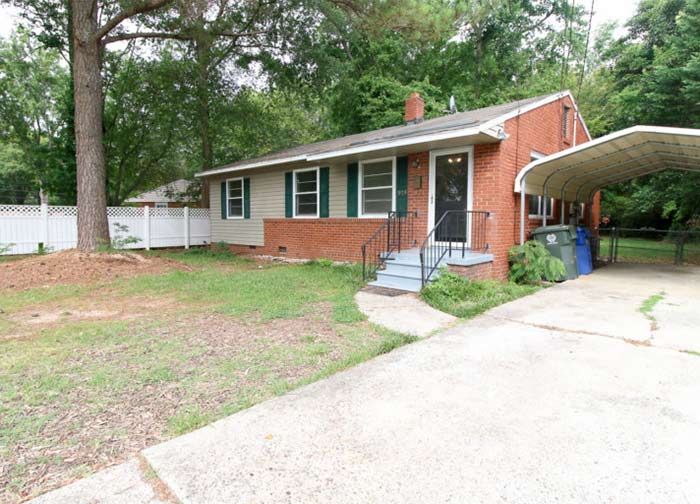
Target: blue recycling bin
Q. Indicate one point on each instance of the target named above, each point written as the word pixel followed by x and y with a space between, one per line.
pixel 583 251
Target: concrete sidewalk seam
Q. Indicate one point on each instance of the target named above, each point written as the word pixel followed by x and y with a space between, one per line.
pixel 642 343
pixel 151 478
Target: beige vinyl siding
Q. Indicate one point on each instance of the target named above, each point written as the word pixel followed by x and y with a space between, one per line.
pixel 266 202
pixel 338 191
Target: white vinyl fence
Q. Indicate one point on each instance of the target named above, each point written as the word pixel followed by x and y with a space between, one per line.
pixel 25 226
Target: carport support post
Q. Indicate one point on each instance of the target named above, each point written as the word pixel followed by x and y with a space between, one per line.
pixel 544 206
pixel 563 207
pixel 522 210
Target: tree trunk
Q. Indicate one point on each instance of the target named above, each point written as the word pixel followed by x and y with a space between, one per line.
pixel 93 229
pixel 203 54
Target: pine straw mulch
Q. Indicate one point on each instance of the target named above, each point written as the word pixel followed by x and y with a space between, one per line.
pixel 223 362
pixel 76 267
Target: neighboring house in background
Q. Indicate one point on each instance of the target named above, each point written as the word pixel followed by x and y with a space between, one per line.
pixel 174 194
pixel 328 198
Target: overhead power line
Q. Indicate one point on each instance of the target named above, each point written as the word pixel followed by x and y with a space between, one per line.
pixel 585 52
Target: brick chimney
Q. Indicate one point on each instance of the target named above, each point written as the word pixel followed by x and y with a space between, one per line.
pixel 414 109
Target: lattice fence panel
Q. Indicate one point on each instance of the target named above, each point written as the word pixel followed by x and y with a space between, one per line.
pixel 25 226
pixel 125 212
pixel 20 210
pixel 199 213
pixel 63 211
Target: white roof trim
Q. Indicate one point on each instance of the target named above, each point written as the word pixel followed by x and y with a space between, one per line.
pixel 598 141
pixel 404 142
pixel 248 166
pixel 490 128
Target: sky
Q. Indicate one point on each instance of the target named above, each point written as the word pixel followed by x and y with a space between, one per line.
pixel 605 10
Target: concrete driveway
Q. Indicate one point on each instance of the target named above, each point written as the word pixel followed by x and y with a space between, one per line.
pixel 518 405
pixel 607 303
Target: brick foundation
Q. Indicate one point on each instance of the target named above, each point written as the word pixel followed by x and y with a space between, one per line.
pixel 482 271
pixel 336 239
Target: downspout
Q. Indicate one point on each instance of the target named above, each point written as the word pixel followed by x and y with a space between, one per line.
pixel 522 210
pixel 563 202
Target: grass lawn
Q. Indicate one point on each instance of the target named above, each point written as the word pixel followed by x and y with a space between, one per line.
pixel 646 250
pixel 90 374
pixel 466 298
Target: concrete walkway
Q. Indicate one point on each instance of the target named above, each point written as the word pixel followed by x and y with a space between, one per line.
pixel 401 311
pixel 516 405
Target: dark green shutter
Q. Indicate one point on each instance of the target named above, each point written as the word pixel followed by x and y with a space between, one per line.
pixel 288 194
pixel 402 184
pixel 352 189
pixel 246 198
pixel 223 200
pixel 323 197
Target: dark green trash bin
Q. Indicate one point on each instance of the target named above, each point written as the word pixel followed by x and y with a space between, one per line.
pixel 561 242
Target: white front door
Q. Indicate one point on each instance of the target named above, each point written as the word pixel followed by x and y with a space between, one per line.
pixel 451 176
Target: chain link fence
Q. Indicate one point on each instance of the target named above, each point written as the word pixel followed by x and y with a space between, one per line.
pixel 648 246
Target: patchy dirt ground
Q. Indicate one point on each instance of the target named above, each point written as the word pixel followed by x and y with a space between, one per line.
pixel 90 378
pixel 74 267
pixel 124 402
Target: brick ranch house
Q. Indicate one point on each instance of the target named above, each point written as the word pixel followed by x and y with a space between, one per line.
pixel 328 199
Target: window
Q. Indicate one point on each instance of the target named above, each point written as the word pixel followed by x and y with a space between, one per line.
pixel 161 204
pixel 581 211
pixel 565 122
pixel 535 206
pixel 306 192
pixel 234 198
pixel 377 179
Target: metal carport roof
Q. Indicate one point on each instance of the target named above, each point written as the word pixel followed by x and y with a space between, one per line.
pixel 576 174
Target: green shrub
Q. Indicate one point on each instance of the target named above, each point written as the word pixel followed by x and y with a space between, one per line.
pixel 466 298
pixel 531 263
pixel 322 261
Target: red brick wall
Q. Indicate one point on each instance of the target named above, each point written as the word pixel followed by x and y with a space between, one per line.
pixel 338 239
pixel 418 196
pixel 482 271
pixel 496 166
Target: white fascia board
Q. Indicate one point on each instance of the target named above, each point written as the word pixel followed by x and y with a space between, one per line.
pixel 390 144
pixel 248 166
pixel 667 130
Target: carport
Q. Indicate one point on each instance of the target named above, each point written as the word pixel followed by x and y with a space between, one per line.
pixel 578 173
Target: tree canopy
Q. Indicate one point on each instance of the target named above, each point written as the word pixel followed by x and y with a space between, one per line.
pixel 187 85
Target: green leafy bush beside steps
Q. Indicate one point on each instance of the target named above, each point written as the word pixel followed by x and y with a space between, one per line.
pixel 467 298
pixel 531 263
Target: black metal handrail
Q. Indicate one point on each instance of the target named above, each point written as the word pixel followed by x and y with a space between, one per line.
pixel 459 231
pixel 394 233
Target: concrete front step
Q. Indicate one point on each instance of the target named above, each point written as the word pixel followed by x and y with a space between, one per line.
pixel 396 282
pixel 409 269
pixel 402 270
